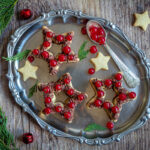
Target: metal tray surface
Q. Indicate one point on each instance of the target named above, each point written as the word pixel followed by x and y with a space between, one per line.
pixel 133 115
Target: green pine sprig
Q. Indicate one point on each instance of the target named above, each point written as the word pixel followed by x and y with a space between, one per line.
pixel 94 126
pixel 82 53
pixel 6 12
pixel 18 56
pixel 33 89
pixel 6 138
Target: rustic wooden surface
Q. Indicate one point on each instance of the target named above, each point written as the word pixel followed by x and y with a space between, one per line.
pixel 119 12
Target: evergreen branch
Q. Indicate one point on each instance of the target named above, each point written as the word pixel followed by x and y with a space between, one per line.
pixel 33 89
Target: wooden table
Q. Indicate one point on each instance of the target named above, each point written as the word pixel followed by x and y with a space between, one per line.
pixel 119 12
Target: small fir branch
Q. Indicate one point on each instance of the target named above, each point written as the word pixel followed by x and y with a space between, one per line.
pixel 94 126
pixel 33 89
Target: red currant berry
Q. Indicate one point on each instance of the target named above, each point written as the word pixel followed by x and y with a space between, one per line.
pixel 47 110
pixel 97 103
pixel 93 30
pixel 46 90
pixel 101 32
pixel 70 92
pixel 122 96
pixel 46 44
pixel 48 100
pixel 106 105
pixel 83 30
pixel 100 93
pixel 115 109
pixel 118 76
pixel 108 82
pixel 66 49
pixel 71 57
pixel 71 105
pixel 67 115
pixel 101 40
pixel 27 138
pixel 25 13
pixel 91 71
pixel 110 125
pixel 62 57
pixel 57 87
pixel 60 38
pixel 118 84
pixel 58 108
pixel 68 37
pixel 93 49
pixel 94 37
pixel 80 97
pixel 98 84
pixel 67 80
pixel 53 63
pixel 49 34
pixel 35 52
pixel 132 95
pixel 30 59
pixel 45 54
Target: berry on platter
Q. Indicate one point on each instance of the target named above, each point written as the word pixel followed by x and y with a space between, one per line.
pixel 91 71
pixel 110 125
pixel 83 30
pixel 93 49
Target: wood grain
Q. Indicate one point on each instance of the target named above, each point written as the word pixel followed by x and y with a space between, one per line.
pixel 119 12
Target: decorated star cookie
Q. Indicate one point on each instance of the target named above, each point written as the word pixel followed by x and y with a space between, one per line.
pixel 100 61
pixel 142 20
pixel 65 56
pixel 67 108
pixel 114 107
pixel 28 71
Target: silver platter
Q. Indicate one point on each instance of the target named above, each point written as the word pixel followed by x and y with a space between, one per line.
pixel 133 115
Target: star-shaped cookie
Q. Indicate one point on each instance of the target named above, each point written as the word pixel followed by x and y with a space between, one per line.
pixel 100 61
pixel 28 71
pixel 142 20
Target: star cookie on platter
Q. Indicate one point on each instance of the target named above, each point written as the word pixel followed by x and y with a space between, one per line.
pixel 28 71
pixel 142 20
pixel 122 96
pixel 65 56
pixel 67 108
pixel 100 62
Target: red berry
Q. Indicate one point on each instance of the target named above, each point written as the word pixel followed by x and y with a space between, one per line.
pixel 46 90
pixel 47 110
pixel 45 54
pixel 91 71
pixel 53 63
pixel 66 49
pixel 67 115
pixel 115 109
pixel 58 108
pixel 94 37
pixel 46 44
pixel 106 105
pixel 83 30
pixel 97 103
pixel 70 92
pixel 71 104
pixel 25 13
pixel 98 84
pixel 118 84
pixel 62 57
pixel 110 125
pixel 49 34
pixel 71 57
pixel 30 59
pixel 27 138
pixel 35 52
pixel 100 93
pixel 67 80
pixel 93 49
pixel 68 37
pixel 60 38
pixel 122 96
pixel 48 100
pixel 57 87
pixel 118 76
pixel 101 40
pixel 93 30
pixel 101 32
pixel 80 97
pixel 108 82
pixel 132 95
